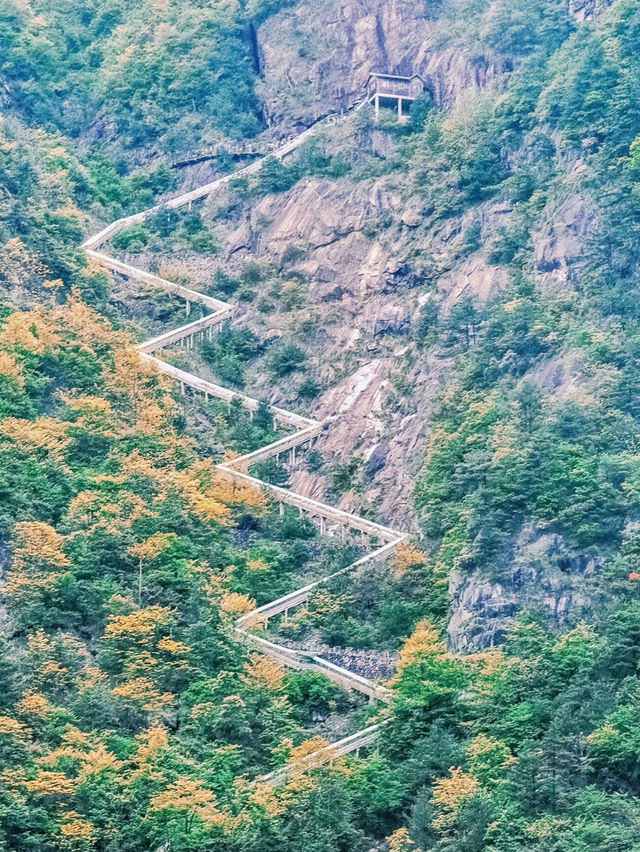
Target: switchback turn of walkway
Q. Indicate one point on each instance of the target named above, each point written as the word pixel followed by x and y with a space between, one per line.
pixel 382 540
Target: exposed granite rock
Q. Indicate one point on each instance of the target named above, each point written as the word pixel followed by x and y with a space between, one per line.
pixel 584 10
pixel 369 256
pixel 544 574
pixel 560 246
pixel 317 56
pixel 473 277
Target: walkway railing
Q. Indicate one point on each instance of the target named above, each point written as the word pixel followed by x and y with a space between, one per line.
pixel 327 754
pixel 386 540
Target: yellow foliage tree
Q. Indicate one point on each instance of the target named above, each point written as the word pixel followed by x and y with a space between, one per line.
pixel 9 367
pixel 264 673
pixel 28 331
pixel 424 642
pixel 51 785
pixel 131 383
pixel 77 834
pixel 449 793
pixel 46 434
pixel 141 694
pixel 185 801
pixel 489 759
pixel 37 567
pixel 234 603
pixel 38 544
pixel 406 557
pixel 400 841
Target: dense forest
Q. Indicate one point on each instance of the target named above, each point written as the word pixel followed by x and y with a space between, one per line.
pixel 131 715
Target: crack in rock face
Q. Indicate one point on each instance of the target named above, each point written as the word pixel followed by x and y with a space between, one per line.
pixel 360 36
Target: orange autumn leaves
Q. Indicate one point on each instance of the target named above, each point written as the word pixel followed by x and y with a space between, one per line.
pixel 39 565
pixel 135 405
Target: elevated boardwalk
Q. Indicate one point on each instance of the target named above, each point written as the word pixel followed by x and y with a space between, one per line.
pixel 224 149
pixel 348 745
pixel 383 539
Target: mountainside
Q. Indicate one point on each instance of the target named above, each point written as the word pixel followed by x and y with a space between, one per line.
pixel 404 248
pixel 454 297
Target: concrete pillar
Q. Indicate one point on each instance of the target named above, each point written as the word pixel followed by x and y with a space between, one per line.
pixel 251 413
pixel 399 109
pixel 286 616
pixel 343 531
pixel 191 342
pixel 188 307
pixel 275 424
pixel 210 333
pixel 182 388
pixel 376 102
pixel 299 511
pixel 293 456
pixel 281 509
pixel 206 396
pixel 323 526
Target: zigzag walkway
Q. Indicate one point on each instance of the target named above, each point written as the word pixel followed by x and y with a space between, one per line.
pixel 384 539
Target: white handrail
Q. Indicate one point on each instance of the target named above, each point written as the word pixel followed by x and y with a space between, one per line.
pixel 306 429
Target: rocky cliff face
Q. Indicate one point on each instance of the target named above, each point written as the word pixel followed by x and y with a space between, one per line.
pixel 317 56
pixel 362 259
pixel 355 252
pixel 360 294
pixel 358 250
pixel 544 574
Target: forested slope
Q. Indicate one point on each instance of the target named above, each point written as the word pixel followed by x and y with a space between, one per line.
pixel 130 717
